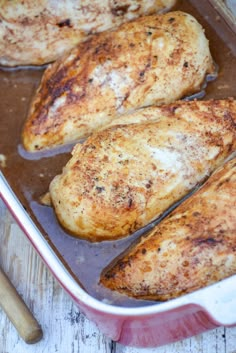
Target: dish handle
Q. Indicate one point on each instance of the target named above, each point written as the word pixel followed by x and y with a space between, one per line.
pixel 219 301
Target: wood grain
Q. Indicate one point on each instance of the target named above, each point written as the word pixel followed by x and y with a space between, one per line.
pixel 17 312
pixel 65 328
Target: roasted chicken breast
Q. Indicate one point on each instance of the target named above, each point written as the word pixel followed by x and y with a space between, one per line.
pixel 37 32
pixel 193 247
pixel 123 177
pixel 152 60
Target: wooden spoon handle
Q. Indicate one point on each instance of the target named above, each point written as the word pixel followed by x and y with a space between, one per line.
pixel 17 311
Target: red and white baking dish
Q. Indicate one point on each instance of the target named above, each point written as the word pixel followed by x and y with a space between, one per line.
pixel 146 326
pixel 24 178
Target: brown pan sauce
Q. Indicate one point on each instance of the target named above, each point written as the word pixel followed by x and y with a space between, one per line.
pixel 29 175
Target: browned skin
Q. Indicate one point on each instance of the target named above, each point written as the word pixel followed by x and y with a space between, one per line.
pixel 35 32
pixel 123 177
pixel 192 248
pixel 152 60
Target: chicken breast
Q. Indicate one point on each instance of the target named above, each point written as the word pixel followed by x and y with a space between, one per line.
pixel 125 176
pixel 193 247
pixel 37 32
pixel 152 60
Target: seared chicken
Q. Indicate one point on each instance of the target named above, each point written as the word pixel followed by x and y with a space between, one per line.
pixel 125 176
pixel 152 60
pixel 37 32
pixel 193 247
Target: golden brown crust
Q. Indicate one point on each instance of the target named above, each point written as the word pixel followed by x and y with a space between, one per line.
pixel 123 177
pixel 152 60
pixel 35 32
pixel 193 247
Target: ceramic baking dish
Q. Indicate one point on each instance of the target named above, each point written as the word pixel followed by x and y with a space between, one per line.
pixel 77 263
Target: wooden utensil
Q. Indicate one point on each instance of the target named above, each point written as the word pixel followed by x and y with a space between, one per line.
pixel 17 311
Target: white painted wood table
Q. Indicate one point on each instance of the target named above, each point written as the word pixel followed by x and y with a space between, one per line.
pixel 65 329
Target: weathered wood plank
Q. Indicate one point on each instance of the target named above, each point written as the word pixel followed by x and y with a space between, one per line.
pixel 65 329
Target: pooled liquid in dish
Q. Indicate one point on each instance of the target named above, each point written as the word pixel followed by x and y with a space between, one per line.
pixel 34 173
